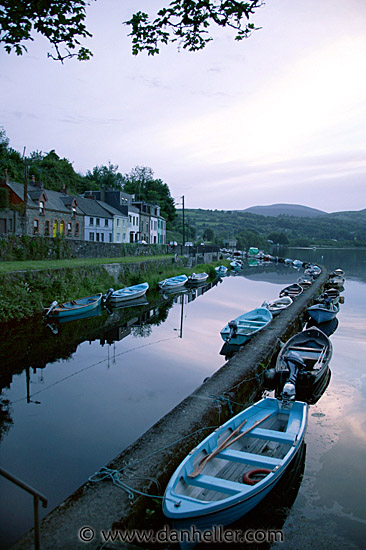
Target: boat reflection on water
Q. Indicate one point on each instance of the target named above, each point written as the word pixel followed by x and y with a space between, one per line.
pixel 312 396
pixel 329 327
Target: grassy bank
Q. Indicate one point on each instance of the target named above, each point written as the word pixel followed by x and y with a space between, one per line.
pixel 8 267
pixel 25 292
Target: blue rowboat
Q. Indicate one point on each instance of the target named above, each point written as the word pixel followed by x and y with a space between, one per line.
pixel 173 282
pixel 74 307
pixel 127 293
pixel 245 326
pixel 221 270
pixel 236 466
pixel 323 312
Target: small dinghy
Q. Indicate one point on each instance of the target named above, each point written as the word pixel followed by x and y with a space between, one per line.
pixel 324 311
pixel 291 290
pixel 236 466
pixel 221 270
pixel 127 293
pixel 197 278
pixel 80 306
pixel 276 306
pixel 309 352
pixel 244 327
pixel 305 281
pixel 173 282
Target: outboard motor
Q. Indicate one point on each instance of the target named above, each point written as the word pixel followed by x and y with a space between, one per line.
pixel 294 362
pixel 108 294
pixel 233 326
pixel 289 392
pixel 51 308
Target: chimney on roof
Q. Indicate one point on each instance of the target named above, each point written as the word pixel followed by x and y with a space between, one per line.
pixel 64 190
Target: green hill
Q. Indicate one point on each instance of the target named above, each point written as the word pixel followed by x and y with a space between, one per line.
pixel 335 229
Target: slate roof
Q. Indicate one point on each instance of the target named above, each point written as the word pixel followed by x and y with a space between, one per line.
pixel 55 199
pixel 92 207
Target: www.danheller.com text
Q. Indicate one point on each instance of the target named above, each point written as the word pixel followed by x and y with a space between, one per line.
pixel 167 534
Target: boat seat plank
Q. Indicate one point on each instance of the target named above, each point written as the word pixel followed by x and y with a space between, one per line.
pixel 244 323
pixel 217 484
pixel 273 435
pixel 300 348
pixel 249 458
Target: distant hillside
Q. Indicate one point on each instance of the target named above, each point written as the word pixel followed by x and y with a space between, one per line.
pixel 249 229
pixel 285 209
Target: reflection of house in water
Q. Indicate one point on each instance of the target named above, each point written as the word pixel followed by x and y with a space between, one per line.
pixel 117 333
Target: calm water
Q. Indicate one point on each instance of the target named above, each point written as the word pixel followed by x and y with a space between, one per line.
pixel 79 397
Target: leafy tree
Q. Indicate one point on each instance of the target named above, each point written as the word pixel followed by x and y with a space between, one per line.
pixel 54 172
pixel 187 22
pixel 141 183
pixel 105 176
pixel 10 160
pixel 278 238
pixel 208 235
pixel 61 22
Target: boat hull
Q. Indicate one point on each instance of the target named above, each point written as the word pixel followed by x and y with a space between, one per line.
pixel 186 510
pixel 76 308
pixel 129 293
pixel 322 314
pixel 315 349
pixel 249 324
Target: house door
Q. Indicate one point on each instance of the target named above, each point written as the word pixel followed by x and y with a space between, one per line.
pixel 62 228
pixel 54 229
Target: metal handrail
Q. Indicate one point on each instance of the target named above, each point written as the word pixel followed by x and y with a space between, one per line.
pixel 37 496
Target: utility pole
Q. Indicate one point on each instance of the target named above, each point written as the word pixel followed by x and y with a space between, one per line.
pixel 25 193
pixel 184 238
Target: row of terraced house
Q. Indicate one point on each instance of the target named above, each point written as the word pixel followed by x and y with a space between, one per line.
pixel 107 215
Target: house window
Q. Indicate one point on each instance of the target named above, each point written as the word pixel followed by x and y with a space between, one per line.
pixel 105 223
pixel 97 237
pixel 77 229
pixel 69 229
pixel 97 222
pixel 41 208
pixel 73 212
pixel 35 226
pixel 118 237
pixel 110 237
pixel 91 221
pixel 91 236
pixel 102 237
pixel 124 237
pixel 118 220
pixel 47 228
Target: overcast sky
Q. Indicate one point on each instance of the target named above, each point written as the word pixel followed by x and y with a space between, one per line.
pixel 277 118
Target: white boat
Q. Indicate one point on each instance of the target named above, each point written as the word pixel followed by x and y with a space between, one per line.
pixel 245 326
pixel 173 282
pixel 197 278
pixel 276 306
pixel 236 466
pixel 305 281
pixel 127 293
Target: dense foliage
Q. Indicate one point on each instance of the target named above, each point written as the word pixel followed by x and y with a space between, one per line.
pixel 337 229
pixel 187 22
pixel 61 22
